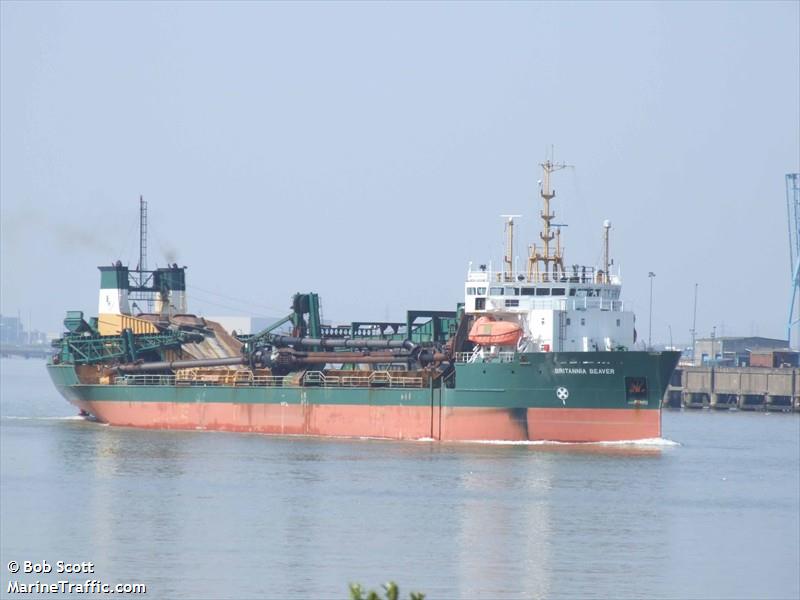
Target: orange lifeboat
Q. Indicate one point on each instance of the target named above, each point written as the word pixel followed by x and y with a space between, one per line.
pixel 488 332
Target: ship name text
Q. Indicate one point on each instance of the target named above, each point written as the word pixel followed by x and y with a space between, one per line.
pixel 583 371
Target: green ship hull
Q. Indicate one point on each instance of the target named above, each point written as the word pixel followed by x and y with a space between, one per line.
pixel 567 397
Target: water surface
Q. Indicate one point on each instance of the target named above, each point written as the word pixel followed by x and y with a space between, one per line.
pixel 221 515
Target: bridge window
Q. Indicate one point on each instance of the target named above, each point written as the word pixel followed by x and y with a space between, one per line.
pixel 470 291
pixel 543 291
pixel 512 291
pixel 528 291
pixel 512 302
pixel 557 292
pixel 496 291
pixel 481 291
pixel 572 291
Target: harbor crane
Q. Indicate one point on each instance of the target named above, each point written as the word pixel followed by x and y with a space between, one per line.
pixel 793 215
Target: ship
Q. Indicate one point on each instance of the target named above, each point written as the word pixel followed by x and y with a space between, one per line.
pixel 543 353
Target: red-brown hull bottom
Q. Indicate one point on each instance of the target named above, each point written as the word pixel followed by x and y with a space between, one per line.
pixel 392 422
pixel 554 424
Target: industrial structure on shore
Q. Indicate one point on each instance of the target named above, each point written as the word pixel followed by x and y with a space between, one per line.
pixel 793 217
pixel 748 373
pixel 16 340
pixel 742 388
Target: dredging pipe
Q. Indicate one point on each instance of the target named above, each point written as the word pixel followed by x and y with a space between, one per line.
pixel 288 340
pixel 285 359
pixel 317 358
pixel 288 358
pixel 182 364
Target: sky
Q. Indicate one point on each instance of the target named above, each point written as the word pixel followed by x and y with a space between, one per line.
pixel 366 151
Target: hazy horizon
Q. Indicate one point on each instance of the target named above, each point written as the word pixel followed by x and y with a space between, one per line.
pixel 366 151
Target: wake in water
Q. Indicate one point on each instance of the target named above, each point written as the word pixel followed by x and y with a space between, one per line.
pixel 646 443
pixel 656 442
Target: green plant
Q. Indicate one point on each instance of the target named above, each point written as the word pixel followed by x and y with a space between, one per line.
pixel 390 588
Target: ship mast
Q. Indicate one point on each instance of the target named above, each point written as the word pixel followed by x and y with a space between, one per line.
pixel 508 259
pixel 553 264
pixel 606 265
pixel 140 275
pixel 142 266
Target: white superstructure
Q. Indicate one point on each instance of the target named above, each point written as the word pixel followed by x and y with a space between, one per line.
pixel 559 309
pixel 577 314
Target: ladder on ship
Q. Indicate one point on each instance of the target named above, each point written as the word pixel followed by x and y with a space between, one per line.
pixel 562 330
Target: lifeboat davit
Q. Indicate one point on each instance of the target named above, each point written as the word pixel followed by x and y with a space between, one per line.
pixel 488 332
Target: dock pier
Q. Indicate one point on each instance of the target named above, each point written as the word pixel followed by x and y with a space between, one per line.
pixel 742 388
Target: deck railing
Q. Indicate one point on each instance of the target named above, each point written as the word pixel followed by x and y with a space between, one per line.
pixel 311 378
pixel 584 275
pixel 145 380
pixel 481 356
pixel 373 379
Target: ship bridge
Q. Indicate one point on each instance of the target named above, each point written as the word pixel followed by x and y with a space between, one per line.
pixel 510 292
pixel 553 306
pixel 566 314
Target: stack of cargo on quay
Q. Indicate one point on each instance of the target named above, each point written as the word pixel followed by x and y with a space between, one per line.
pixel 538 354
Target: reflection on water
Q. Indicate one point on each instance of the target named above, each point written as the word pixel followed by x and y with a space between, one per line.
pixel 505 544
pixel 217 515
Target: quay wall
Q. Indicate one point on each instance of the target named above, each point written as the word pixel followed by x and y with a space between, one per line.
pixel 743 388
